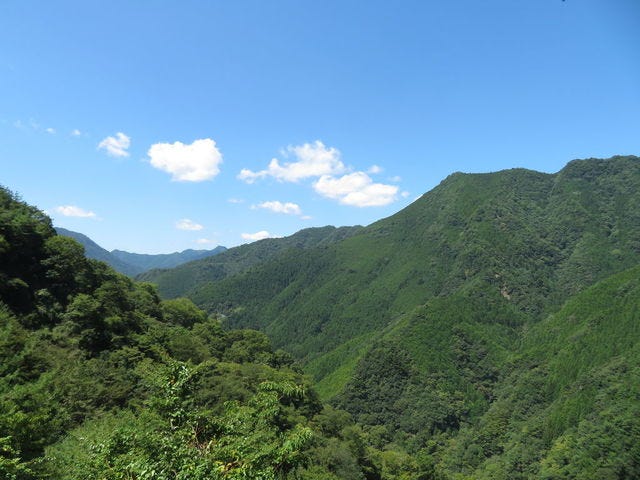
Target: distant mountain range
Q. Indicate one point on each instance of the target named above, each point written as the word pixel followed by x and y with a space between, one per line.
pixel 133 264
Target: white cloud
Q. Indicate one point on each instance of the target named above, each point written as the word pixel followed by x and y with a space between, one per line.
pixel 187 163
pixel 75 132
pixel 375 169
pixel 261 235
pixel 279 207
pixel 356 189
pixel 186 224
pixel 50 130
pixel 405 194
pixel 235 200
pixel 396 179
pixel 116 146
pixel 306 217
pixel 312 160
pixel 74 211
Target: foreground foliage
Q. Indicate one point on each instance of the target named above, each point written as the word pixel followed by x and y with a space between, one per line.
pixel 100 379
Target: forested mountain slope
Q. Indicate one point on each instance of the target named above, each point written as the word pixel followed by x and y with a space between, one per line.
pixel 177 281
pixel 412 324
pixel 491 330
pixel 515 244
pixel 99 379
pixel 568 405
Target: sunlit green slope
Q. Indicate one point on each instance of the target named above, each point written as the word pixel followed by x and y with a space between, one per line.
pixel 568 405
pixel 515 244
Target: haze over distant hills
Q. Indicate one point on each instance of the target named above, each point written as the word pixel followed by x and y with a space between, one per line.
pixel 133 264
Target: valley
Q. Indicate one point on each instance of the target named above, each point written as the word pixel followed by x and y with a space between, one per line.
pixel 488 330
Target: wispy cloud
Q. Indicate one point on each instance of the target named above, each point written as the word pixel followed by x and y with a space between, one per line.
pixel 50 130
pixel 116 146
pixel 74 211
pixel 332 178
pixel 310 160
pixel 187 224
pixel 196 162
pixel 275 206
pixel 75 132
pixel 261 235
pixel 356 189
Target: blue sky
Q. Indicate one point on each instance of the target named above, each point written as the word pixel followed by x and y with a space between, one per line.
pixel 155 126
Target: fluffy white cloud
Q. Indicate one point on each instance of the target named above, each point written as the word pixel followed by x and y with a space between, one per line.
pixel 187 163
pixel 311 160
pixel 405 194
pixel 74 211
pixel 356 189
pixel 116 146
pixel 75 132
pixel 375 169
pixel 279 207
pixel 261 235
pixel 186 224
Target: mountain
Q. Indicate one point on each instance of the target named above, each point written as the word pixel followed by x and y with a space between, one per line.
pixel 95 251
pixel 437 296
pixel 99 378
pixel 490 330
pixel 175 282
pixel 133 264
pixel 567 403
pixel 145 262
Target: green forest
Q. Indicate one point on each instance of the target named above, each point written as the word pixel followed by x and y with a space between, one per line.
pixel 490 330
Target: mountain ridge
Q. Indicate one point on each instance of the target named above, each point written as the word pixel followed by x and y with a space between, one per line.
pixel 489 330
pixel 133 264
pixel 523 241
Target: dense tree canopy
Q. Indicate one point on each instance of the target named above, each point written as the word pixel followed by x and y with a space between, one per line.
pixel 488 331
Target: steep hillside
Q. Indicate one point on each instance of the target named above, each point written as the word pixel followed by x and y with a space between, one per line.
pixel 568 405
pixel 516 238
pixel 100 379
pixel 175 282
pixel 481 333
pixel 413 323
